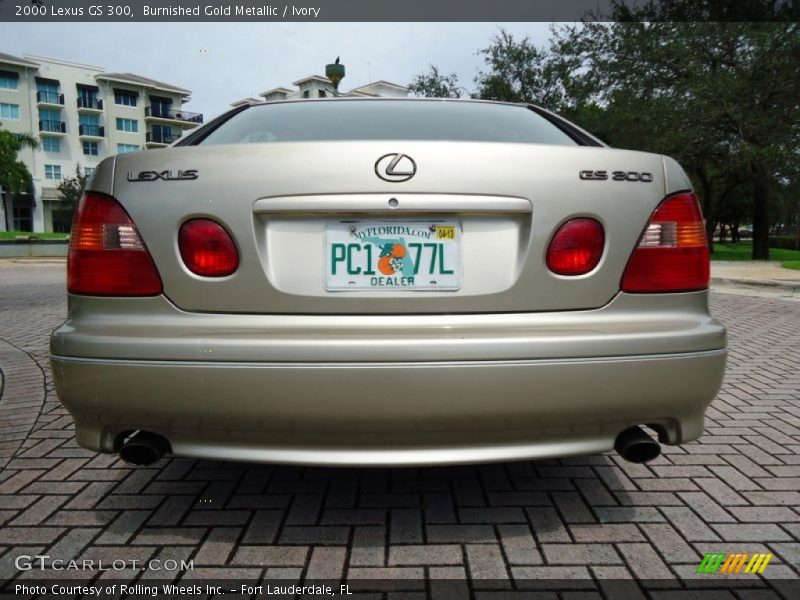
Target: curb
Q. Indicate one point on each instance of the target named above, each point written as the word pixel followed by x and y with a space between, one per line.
pixel 21 398
pixel 776 285
pixel 42 260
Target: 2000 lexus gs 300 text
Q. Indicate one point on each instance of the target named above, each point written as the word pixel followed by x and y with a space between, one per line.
pixel 387 282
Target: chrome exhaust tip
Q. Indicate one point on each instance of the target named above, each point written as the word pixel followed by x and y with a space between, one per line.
pixel 635 446
pixel 143 448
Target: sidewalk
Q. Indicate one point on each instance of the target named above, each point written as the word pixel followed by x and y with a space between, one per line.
pixel 755 275
pixel 32 261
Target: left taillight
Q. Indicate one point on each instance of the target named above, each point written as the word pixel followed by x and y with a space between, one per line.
pixel 106 254
pixel 207 249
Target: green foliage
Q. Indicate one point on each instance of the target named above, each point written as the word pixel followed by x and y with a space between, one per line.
pixel 742 251
pixel 787 242
pixel 12 235
pixel 518 71
pixel 721 97
pixel 70 191
pixel 14 175
pixel 433 84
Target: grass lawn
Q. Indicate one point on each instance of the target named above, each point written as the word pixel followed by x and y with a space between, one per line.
pixel 789 259
pixel 10 235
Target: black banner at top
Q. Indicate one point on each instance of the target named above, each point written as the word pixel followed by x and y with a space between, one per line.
pixel 402 11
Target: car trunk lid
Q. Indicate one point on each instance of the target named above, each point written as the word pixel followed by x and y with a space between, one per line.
pixel 287 204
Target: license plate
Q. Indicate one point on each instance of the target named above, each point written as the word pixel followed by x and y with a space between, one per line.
pixel 392 256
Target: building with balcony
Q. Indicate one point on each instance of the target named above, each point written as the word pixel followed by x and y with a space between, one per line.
pixel 317 86
pixel 80 114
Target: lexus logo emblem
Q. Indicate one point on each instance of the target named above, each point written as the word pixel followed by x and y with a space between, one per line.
pixel 395 167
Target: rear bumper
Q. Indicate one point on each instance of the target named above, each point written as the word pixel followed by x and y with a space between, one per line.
pixel 387 390
pixel 389 413
pixel 154 329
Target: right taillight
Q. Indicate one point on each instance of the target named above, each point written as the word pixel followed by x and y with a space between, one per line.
pixel 672 254
pixel 576 248
pixel 106 255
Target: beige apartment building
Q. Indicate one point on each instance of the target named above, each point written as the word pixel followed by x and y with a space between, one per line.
pixel 317 86
pixel 80 114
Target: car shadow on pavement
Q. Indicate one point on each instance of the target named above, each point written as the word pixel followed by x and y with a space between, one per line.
pixel 175 501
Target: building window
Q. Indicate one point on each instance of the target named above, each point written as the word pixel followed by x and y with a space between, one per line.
pixel 48 87
pixel 50 115
pixel 52 171
pixel 90 125
pixel 88 172
pixel 160 107
pixel 91 120
pixel 125 98
pixel 9 111
pixel 47 91
pixel 8 80
pixel 87 97
pixel 306 94
pixel 125 148
pixel 129 125
pixel 50 120
pixel 322 93
pixel 51 144
pixel 22 218
pixel 90 148
pixel 161 134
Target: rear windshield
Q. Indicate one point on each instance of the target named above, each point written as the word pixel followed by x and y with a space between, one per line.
pixel 333 120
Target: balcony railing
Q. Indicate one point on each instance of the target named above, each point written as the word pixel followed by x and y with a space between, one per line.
pixel 157 137
pixel 158 112
pixel 93 103
pixel 50 126
pixel 92 130
pixel 50 98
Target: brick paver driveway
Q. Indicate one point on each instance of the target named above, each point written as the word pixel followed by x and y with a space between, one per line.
pixel 587 522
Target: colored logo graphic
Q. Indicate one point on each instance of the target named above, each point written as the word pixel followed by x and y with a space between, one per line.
pixel 394 258
pixel 391 259
pixel 727 564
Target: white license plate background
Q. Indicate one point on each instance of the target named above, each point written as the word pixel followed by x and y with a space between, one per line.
pixel 392 255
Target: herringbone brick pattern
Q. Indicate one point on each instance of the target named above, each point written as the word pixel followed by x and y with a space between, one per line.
pixel 498 528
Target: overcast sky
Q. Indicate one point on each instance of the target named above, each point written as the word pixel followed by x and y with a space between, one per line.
pixel 222 63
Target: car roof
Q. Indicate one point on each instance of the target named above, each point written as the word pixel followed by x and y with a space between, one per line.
pixel 391 99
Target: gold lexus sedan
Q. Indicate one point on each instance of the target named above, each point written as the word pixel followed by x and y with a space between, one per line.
pixel 387 282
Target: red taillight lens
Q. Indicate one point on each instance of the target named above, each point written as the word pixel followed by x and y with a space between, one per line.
pixel 576 247
pixel 672 255
pixel 207 249
pixel 106 255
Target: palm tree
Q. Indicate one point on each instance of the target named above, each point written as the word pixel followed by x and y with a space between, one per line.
pixel 14 175
pixel 26 140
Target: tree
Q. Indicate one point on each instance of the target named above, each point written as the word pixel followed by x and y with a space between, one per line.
pixel 435 85
pixel 722 97
pixel 519 71
pixel 14 175
pixel 70 191
pixel 686 79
